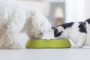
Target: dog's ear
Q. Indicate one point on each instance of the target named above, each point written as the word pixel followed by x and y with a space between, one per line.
pixel 54 28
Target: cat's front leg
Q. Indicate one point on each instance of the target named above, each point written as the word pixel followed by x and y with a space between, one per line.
pixel 81 39
pixel 78 45
pixel 73 44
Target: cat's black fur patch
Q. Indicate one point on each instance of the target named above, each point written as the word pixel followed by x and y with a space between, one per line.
pixel 82 27
pixel 88 20
pixel 56 33
pixel 67 25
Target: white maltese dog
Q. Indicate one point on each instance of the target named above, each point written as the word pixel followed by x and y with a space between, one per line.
pixel 15 18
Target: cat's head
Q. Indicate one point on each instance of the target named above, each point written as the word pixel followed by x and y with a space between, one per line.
pixel 61 31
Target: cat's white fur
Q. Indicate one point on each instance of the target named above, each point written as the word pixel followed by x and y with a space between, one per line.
pixel 77 39
pixel 14 17
pixel 88 34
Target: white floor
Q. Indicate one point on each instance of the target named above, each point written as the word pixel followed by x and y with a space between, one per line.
pixel 45 54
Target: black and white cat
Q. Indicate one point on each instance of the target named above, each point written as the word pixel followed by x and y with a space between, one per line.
pixel 77 32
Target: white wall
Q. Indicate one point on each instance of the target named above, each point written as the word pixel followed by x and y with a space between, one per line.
pixel 87 8
pixel 75 10
pixel 37 5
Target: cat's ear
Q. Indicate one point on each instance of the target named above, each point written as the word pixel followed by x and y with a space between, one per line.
pixel 54 28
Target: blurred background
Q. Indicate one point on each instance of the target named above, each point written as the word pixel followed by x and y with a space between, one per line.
pixel 59 11
pixel 54 10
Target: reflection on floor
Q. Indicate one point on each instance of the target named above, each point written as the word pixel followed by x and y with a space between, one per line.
pixel 46 54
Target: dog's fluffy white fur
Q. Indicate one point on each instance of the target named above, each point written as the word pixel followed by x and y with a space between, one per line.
pixel 38 27
pixel 15 18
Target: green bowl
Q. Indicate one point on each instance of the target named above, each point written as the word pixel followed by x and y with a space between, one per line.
pixel 48 44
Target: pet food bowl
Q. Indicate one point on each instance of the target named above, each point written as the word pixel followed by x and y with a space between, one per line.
pixel 48 44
